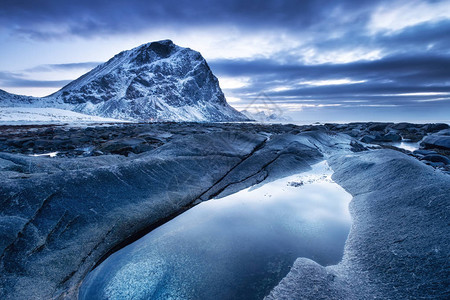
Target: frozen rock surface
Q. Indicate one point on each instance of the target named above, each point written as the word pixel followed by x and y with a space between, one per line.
pixel 39 115
pixel 398 244
pixel 438 140
pixel 374 132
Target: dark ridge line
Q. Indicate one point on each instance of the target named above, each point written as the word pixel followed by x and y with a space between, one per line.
pixel 257 148
pixel 67 278
pixel 141 233
pixel 24 227
pixel 144 231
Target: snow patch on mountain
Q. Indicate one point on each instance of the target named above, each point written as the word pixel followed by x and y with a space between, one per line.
pixel 38 115
pixel 266 117
pixel 158 81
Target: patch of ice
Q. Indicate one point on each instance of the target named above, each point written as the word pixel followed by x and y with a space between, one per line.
pixel 50 154
pixel 39 115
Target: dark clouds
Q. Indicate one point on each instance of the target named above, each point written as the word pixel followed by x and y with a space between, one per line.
pixel 68 66
pixel 391 80
pixel 81 17
pixel 427 69
pixel 17 80
pixel 410 65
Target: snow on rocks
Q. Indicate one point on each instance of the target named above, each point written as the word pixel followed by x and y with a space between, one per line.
pixel 158 81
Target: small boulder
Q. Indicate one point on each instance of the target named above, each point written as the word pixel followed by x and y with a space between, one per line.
pixel 435 127
pixel 391 137
pixel 368 139
pixel 445 132
pixel 403 126
pixel 378 127
pixel 354 132
pixel 436 158
pixel 357 147
pixel 436 141
pixel 423 152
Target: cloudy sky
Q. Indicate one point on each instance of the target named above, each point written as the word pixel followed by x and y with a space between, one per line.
pixel 311 60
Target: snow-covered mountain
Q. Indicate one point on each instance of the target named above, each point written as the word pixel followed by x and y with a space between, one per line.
pixel 158 81
pixel 266 117
pixel 11 100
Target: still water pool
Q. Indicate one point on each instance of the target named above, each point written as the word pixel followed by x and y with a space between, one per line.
pixel 236 247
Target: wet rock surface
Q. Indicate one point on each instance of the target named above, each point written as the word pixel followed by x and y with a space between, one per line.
pixel 433 139
pixel 440 140
pixel 387 132
pixel 61 215
pixel 110 183
pixel 398 244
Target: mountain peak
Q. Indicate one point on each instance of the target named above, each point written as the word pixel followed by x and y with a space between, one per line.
pixel 161 49
pixel 155 81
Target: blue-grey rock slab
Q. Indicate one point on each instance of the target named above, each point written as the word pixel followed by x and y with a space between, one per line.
pixel 437 158
pixel 60 216
pixel 398 246
pixel 57 225
pixel 437 141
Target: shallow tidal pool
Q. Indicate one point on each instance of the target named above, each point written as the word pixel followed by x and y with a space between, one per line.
pixel 236 247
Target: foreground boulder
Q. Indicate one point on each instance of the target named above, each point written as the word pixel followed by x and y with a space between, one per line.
pixel 398 244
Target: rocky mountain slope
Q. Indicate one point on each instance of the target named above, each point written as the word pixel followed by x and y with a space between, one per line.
pixel 12 100
pixel 158 81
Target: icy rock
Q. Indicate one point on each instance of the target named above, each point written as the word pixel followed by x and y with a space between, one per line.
pixel 397 247
pixel 368 139
pixel 423 152
pixel 436 141
pixel 308 280
pixel 437 158
pixel 391 137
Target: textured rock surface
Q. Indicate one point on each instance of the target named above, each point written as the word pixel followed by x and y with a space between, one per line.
pixel 398 245
pixel 438 140
pixel 372 132
pixel 61 215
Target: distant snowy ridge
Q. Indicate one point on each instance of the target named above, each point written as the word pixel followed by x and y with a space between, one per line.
pixel 158 81
pixel 7 99
pixel 37 115
pixel 266 117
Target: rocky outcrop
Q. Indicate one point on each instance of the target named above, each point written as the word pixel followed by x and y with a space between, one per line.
pixel 8 99
pixel 398 244
pixel 438 140
pixel 60 216
pixel 371 132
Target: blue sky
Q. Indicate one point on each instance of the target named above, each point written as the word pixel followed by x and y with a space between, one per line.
pixel 316 60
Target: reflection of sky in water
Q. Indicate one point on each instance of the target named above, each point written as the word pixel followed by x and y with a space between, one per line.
pixel 410 146
pixel 237 247
pixel 51 154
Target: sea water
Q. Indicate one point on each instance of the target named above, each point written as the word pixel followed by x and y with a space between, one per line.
pixel 236 247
